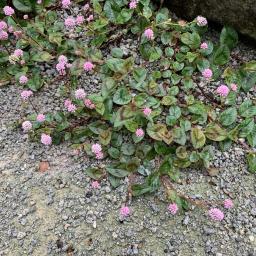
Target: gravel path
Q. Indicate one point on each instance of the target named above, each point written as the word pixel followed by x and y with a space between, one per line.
pixel 58 213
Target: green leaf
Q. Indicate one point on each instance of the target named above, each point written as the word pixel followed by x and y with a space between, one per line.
pixel 116 172
pixel 23 5
pixel 246 109
pixel 251 159
pixel 221 55
pixel 214 132
pixel 229 37
pixel 42 56
pixel 117 52
pixel 191 39
pixel 228 116
pixel 114 152
pixel 197 138
pixel 94 173
pixel 122 96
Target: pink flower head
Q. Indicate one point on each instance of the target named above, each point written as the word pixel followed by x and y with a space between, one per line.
pixel 26 126
pixel 10 29
pixel 67 102
pixel 17 34
pixel 228 203
pixel 204 46
pixel 25 17
pixel 63 59
pixel 207 73
pixel 8 11
pixel 139 132
pixel 65 4
pixel 79 19
pixel 3 25
pixel 233 87
pixel 18 53
pixel 39 1
pixel 61 68
pixel 26 94
pixel 88 103
pixel 223 90
pixel 23 79
pixel 86 7
pixel 90 18
pixel 96 148
pixel 70 22
pixel 216 214
pixel 99 155
pixel 40 118
pixel 147 111
pixel 201 21
pixel 133 4
pixel 46 139
pixel 80 94
pixel 173 208
pixel 71 108
pixel 95 184
pixel 149 34
pixel 3 35
pixel 88 66
pixel 124 211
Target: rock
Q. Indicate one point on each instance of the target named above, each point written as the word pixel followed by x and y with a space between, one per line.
pixel 240 14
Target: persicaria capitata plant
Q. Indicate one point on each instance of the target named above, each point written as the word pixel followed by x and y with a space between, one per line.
pixel 150 118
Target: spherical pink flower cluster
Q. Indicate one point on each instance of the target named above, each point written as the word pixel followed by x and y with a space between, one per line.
pixel 39 1
pixel 3 35
pixel 62 65
pixel 216 214
pixel 223 90
pixel 17 34
pixel 86 7
pixel 79 19
pixel 26 94
pixel 228 203
pixel 97 150
pixel 88 66
pixel 201 21
pixel 90 18
pixel 23 79
pixel 147 111
pixel 69 106
pixel 3 25
pixel 133 4
pixel 125 211
pixel 88 103
pixel 95 184
pixel 18 53
pixel 46 139
pixel 233 87
pixel 173 208
pixel 65 4
pixel 8 11
pixel 149 34
pixel 204 46
pixel 25 17
pixel 40 118
pixel 70 22
pixel 80 94
pixel 139 132
pixel 207 73
pixel 26 126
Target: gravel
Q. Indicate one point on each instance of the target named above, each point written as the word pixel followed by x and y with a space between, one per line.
pixel 56 212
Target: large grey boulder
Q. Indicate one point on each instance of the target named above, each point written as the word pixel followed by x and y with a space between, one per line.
pixel 241 14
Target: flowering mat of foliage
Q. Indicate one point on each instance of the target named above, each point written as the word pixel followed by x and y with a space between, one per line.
pixel 150 119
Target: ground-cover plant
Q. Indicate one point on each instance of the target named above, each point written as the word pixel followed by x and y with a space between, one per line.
pixel 152 119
